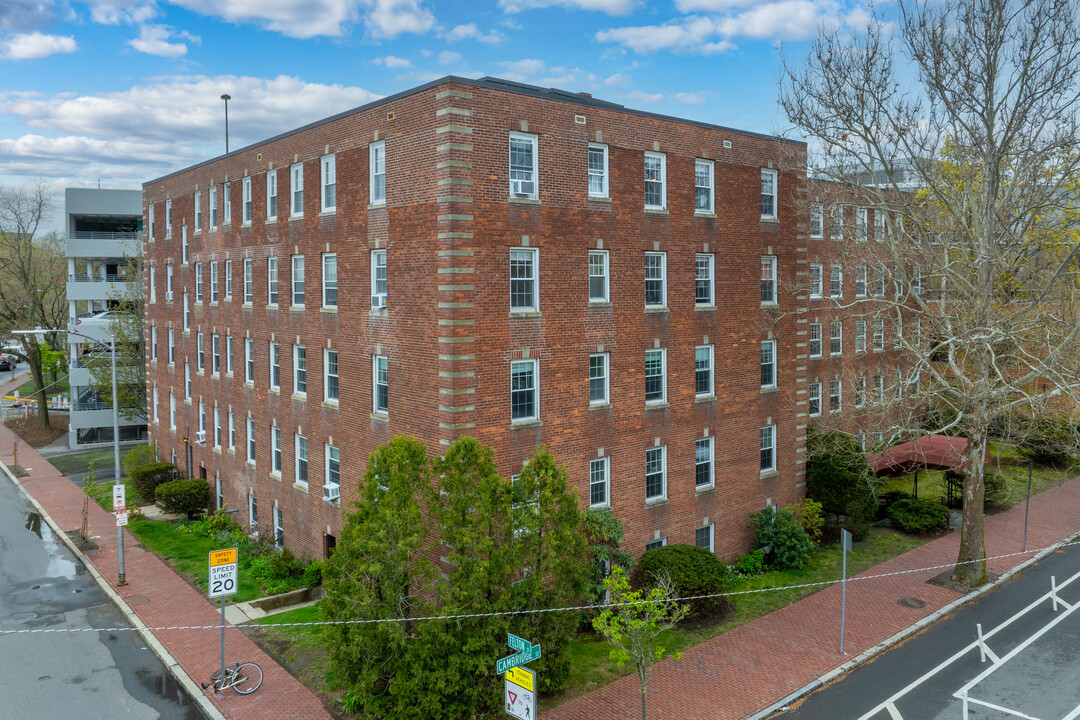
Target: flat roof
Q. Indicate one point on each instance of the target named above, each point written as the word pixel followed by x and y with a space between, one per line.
pixel 492 83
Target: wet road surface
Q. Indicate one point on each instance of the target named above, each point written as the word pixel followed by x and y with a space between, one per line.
pixel 93 674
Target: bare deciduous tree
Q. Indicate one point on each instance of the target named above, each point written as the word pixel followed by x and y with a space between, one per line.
pixel 960 120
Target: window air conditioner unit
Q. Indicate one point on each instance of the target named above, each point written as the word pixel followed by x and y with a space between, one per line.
pixel 378 301
pixel 200 436
pixel 522 188
pixel 331 492
pixel 168 296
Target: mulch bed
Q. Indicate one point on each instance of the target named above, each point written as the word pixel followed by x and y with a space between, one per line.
pixel 31 432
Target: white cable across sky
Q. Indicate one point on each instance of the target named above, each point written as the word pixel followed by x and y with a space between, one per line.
pixel 598 606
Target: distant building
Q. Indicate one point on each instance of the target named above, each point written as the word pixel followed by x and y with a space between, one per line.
pixel 485 258
pixel 102 229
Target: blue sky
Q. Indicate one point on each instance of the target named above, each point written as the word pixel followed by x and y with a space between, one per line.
pixel 121 91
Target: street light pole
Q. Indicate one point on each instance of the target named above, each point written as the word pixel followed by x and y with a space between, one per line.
pixel 226 97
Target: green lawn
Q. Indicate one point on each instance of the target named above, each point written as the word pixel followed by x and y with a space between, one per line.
pixel 80 462
pixel 59 387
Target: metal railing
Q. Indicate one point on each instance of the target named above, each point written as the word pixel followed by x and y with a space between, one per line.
pixel 98 235
pixel 97 278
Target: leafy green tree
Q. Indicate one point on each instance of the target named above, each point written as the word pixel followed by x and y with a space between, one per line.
pixel 839 476
pixel 127 328
pixel 634 628
pixel 382 569
pixel 604 534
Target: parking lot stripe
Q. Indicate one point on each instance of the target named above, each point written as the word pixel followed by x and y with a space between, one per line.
pixel 992 706
pixel 893 712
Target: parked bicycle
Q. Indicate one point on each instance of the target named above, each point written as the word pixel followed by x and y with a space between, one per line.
pixel 245 678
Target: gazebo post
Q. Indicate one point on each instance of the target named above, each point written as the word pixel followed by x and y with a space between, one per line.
pixel 915 487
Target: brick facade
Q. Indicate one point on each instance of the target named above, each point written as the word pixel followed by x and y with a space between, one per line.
pixel 448 332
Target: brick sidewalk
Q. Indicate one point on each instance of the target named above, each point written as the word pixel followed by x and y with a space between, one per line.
pixel 740 673
pixel 159 597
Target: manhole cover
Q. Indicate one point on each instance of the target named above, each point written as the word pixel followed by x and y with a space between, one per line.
pixel 19 618
pixel 911 602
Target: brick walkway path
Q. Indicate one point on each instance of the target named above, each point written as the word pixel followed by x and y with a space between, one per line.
pixel 159 597
pixel 742 672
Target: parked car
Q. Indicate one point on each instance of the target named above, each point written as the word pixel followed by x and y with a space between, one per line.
pixel 7 362
pixel 101 318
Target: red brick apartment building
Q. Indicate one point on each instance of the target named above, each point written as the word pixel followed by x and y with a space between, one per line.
pixel 485 258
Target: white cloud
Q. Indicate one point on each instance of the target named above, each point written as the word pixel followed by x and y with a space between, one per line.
pixel 447 57
pixel 471 32
pixel 611 7
pixel 617 80
pixel 122 12
pixel 522 70
pixel 153 39
pixel 687 35
pixel 789 20
pixel 25 15
pixel 690 98
pixel 710 6
pixel 390 18
pixel 392 61
pixel 35 45
pixel 537 72
pixel 644 97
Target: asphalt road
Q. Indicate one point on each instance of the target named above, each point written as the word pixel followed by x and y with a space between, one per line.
pixel 1032 663
pixel 94 674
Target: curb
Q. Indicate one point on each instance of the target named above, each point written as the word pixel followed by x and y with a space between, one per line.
pixel 208 709
pixel 884 645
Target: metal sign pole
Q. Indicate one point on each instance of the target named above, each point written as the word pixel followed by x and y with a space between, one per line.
pixel 845 545
pixel 1027 505
pixel 223 639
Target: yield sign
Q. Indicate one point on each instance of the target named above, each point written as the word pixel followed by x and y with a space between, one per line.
pixel 513 697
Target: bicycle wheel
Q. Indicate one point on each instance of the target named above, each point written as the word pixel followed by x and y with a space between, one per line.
pixel 247 678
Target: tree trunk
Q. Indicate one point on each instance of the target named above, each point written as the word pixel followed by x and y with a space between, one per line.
pixel 643 676
pixel 971 563
pixel 33 358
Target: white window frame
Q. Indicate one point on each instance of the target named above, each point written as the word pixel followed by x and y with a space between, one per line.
pixel 153 343
pixel 187 314
pixel 817 221
pixel 213 208
pixel 860 281
pixel 517 188
pixel 880 217
pixel 228 279
pixel 650 457
pixel 535 389
pixel 245 195
pixel 296 190
pixel 770 179
pixel 249 280
pixel 198 212
pixel 602 256
pixel 771 363
pixel 150 221
pixel 301 465
pixel 198 282
pixel 250 442
pixel 378 299
pixel 816 281
pixel 813 400
pixel 332 455
pixel 275 451
pixel 705 442
pixel 836 222
pixel 710 391
pixel 168 218
pixel 217 427
pixel 153 284
pixel 603 191
pixel 155 403
pixel 300 370
pixel 860 391
pixel 172 346
pixel 279 526
pixel 377 173
pixel 836 396
pixel 376 361
pixel 272 274
pixel 710 277
pixel 768 443
pixel 836 281
pixel 604 361
pixel 168 282
pixel 232 432
pixel 328 182
pixel 271 195
pixel 184 245
pixel 860 335
pixel 662 279
pixel 814 340
pixel 226 203
pixel 530 256
pixel 200 353
pixel 172 410
pixel 662 352
pixel 335 398
pixel 215 354
pixel 214 296
pixel 329 259
pixel 879 334
pixel 662 179
pixel 836 337
pixel 860 224
pixel 600 466
pixel 710 528
pixel 249 360
pixel 710 187
pixel 229 355
pixel 296 278
pixel 275 365
pixel 769 285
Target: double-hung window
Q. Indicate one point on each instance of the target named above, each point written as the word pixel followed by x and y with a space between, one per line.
pixel 836 281
pixel 879 225
pixel 879 389
pixel 655 181
pixel 768 448
pixel 768 280
pixel 860 391
pixel 298 280
pixel 703 280
pixel 172 410
pixel 598 482
pixel 279 525
pixel 172 346
pixel 226 203
pixel 275 450
pixel 187 381
pixel 249 281
pixel 200 353
pixel 703 370
pixel 168 282
pixel 198 212
pixel 228 355
pixel 168 218
pixel 835 396
pixel 198 282
pixel 703 463
pixel 860 335
pixel 598 379
pixel 860 224
pixel 916 280
pixel 328 175
pixel 703 537
pixel 215 354
pixel 249 360
pixel 228 279
pixel 377 172
pixel 275 365
pixel 703 186
pixel 296 190
pixel 232 432
pixel 271 280
pixel 213 208
pixel 598 170
pixel 523 166
pixel 524 390
pixel 333 467
pixel 524 290
pixel 860 281
pixel 768 194
pixel 153 343
pixel 655 376
pixel 656 473
pixel 768 363
pixel 655 279
pixel 816 287
pixel 879 333
pixel 814 404
pixel 329 280
pixel 380 384
pixel 836 337
pixel 836 222
pixel 879 281
pixel 271 195
pixel 217 427
pixel 598 276
pixel 300 370
pixel 898 332
pixel 301 460
pixel 251 440
pixel 150 221
pixel 330 376
pixel 815 339
pixel 187 314
pixel 378 278
pixel 245 192
pixel 817 219
pixel 213 281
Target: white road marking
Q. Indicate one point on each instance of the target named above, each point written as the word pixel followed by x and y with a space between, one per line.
pixel 991 654
pixel 1001 709
pixel 893 712
pixel 973 646
pixel 1073 715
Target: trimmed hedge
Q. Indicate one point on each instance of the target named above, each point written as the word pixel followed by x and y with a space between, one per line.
pixel 919 516
pixel 693 571
pixel 184 496
pixel 788 544
pixel 147 478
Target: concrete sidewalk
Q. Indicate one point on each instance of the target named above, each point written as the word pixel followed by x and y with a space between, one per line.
pixel 155 596
pixel 755 668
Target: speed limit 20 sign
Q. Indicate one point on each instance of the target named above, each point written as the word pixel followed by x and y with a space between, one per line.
pixel 223 572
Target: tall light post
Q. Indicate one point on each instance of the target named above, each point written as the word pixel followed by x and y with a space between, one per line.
pixel 116 430
pixel 226 97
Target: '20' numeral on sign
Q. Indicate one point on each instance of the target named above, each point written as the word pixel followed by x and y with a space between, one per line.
pixel 223 586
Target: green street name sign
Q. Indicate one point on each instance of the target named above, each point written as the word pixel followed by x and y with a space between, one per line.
pixel 511 661
pixel 519 644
